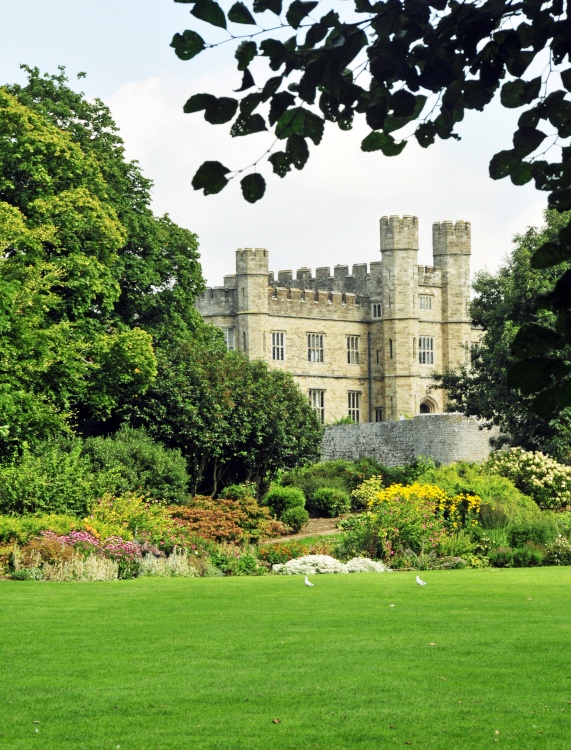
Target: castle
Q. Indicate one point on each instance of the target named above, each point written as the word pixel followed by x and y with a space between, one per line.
pixel 362 345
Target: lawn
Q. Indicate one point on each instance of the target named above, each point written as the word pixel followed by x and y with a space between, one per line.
pixel 475 659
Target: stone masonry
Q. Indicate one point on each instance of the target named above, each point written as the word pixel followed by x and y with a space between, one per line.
pixel 362 344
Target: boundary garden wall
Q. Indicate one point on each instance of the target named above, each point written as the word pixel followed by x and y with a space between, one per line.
pixel 444 437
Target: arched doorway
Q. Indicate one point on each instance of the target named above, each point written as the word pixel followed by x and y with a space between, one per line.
pixel 428 406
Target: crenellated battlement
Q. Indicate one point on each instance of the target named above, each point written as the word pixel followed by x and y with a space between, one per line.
pixel 429 276
pixel 313 303
pixel 399 233
pixel 356 282
pixel 219 300
pixel 449 238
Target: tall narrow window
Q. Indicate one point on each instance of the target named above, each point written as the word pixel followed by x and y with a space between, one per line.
pixel 377 310
pixel 379 414
pixel 426 350
pixel 244 340
pixel 425 302
pixel 390 348
pixel 229 338
pixel 317 400
pixel 352 350
pixel 315 347
pixel 353 403
pixel 278 345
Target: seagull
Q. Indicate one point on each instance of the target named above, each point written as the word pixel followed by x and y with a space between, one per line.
pixel 308 582
pixel 420 581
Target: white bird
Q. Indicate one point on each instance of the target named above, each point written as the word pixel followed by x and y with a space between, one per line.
pixel 420 581
pixel 308 582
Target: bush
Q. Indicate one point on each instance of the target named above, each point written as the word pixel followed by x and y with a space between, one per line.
pixel 456 545
pixel 239 491
pixel 501 557
pixel 558 551
pixel 280 499
pixel 296 518
pixel 528 556
pixel 330 502
pixel 58 479
pixel 537 475
pixel 540 531
pixel 136 514
pixel 21 529
pixel 134 462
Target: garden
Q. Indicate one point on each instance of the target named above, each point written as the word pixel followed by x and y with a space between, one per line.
pixel 119 508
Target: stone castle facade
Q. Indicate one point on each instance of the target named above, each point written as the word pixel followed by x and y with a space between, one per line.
pixel 362 344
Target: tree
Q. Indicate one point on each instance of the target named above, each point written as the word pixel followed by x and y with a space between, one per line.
pixel 416 64
pixel 234 420
pixel 60 351
pixel 504 303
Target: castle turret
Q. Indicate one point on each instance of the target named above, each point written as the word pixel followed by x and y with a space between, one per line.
pixel 252 275
pixel 451 246
pixel 399 248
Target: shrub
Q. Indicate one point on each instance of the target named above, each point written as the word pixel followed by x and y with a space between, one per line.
pixel 527 556
pixel 58 479
pixel 239 491
pixel 537 475
pixel 501 557
pixel 330 502
pixel 295 517
pixel 134 462
pixel 363 539
pixel 501 501
pixel 558 552
pixel 136 514
pixel 540 531
pixel 280 499
pixel 23 528
pixel 179 564
pixel 281 553
pixel 456 545
pixel 312 564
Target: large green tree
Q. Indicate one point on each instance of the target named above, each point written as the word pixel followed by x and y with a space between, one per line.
pixel 504 302
pixel 410 69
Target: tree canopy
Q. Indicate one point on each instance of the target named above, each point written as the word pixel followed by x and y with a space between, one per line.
pixel 504 302
pixel 411 69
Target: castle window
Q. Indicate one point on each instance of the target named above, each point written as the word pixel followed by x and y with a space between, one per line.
pixel 278 345
pixel 425 302
pixel 229 338
pixel 317 400
pixel 426 350
pixel 352 350
pixel 353 402
pixel 390 348
pixel 379 414
pixel 315 347
pixel 377 310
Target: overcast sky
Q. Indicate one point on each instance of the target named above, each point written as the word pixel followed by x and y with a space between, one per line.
pixel 325 215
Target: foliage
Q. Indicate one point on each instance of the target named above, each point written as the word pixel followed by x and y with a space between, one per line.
pixel 314 564
pixel 541 531
pixel 281 552
pixel 141 516
pixel 504 302
pixel 21 529
pixel 139 464
pixel 540 477
pixel 295 517
pixel 280 499
pixel 330 502
pixel 558 552
pixel 57 478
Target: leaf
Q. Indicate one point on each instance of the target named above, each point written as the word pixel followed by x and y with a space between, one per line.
pixel 245 53
pixel 248 125
pixel 526 140
pixel 238 13
pixel 297 11
pixel 253 187
pixel 247 81
pixel 187 45
pixel 425 134
pixel 403 103
pixel 300 121
pixel 210 177
pixel 549 254
pixel 274 5
pixel 280 163
pixel 210 12
pixel 297 151
pixel 502 164
pixel 532 339
pixel 216 111
pixel 521 173
pixel 530 375
pixel 384 142
pixel 279 104
pixel 517 93
pixel 566 78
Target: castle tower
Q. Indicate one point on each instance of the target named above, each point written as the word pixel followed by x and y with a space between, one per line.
pixel 451 246
pixel 399 249
pixel 251 300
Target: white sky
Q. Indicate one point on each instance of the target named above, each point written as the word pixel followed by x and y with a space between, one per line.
pixel 324 215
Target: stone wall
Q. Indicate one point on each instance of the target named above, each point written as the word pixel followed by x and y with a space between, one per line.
pixel 444 437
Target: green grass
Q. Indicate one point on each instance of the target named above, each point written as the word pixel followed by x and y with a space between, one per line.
pixel 158 664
